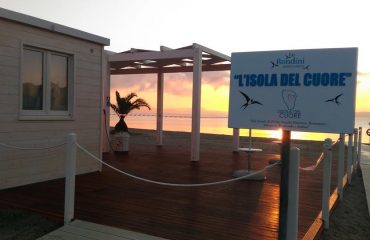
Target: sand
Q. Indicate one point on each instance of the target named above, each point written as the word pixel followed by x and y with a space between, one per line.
pixel 22 225
pixel 350 219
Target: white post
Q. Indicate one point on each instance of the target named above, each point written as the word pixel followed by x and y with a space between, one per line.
pixel 359 146
pixel 293 198
pixel 326 182
pixel 160 109
pixel 70 172
pixel 195 121
pixel 349 158
pixel 340 166
pixel 236 139
pixel 354 157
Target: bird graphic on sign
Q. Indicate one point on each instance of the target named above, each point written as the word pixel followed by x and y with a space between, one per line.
pixel 249 101
pixel 306 67
pixel 290 55
pixel 274 64
pixel 335 99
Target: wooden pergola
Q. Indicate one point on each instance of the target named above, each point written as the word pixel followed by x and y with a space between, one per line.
pixel 194 58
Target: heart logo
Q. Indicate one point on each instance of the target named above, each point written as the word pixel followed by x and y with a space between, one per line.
pixel 289 98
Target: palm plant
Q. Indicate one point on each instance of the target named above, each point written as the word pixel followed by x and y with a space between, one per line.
pixel 124 106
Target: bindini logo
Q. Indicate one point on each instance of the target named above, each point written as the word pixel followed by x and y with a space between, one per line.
pixel 289 60
pixel 289 98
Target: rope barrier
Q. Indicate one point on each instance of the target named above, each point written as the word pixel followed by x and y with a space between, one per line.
pixel 175 184
pixel 313 167
pixel 26 148
pixel 318 161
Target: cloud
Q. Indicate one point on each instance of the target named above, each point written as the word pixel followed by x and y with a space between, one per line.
pixel 136 83
pixel 363 76
pixel 216 79
pixel 174 83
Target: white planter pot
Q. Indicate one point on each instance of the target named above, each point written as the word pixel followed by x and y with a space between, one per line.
pixel 120 142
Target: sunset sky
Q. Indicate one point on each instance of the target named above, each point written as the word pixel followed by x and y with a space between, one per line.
pixel 226 26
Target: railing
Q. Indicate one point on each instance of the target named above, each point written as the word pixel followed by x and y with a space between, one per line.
pixel 353 162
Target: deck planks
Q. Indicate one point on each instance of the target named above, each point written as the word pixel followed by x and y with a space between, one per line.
pixel 239 210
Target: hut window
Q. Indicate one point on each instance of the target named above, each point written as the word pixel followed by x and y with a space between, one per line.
pixel 59 83
pixel 33 83
pixel 46 80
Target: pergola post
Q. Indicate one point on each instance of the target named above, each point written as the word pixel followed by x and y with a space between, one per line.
pixel 160 109
pixel 196 99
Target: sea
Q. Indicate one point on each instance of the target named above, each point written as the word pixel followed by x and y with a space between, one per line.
pixel 218 125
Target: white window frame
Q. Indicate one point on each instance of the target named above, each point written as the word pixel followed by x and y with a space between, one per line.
pixel 46 113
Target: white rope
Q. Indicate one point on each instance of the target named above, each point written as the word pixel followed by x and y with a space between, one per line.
pixel 175 184
pixel 313 167
pixel 319 160
pixel 26 148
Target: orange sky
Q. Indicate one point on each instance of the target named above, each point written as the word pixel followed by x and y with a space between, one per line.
pixel 215 91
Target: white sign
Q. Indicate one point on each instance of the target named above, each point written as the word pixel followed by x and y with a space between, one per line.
pixel 297 90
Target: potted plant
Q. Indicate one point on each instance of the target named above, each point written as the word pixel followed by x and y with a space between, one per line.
pixel 120 134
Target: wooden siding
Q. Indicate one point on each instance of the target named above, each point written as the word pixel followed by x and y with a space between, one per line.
pixel 25 167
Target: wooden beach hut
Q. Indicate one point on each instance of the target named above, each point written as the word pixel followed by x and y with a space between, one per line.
pixel 51 85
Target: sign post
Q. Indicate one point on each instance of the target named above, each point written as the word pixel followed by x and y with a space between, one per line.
pixel 284 180
pixel 294 90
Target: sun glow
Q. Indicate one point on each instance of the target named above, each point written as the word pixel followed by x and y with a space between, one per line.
pixel 276 134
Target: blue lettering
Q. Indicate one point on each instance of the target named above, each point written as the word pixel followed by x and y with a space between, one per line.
pixel 246 79
pixel 307 79
pixel 325 79
pixel 238 77
pixel 260 80
pixel 273 80
pixel 316 79
pixel 342 78
pixel 284 79
pixel 253 80
pixel 333 79
pixel 294 79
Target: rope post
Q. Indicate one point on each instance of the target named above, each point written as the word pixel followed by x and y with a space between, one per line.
pixel 293 189
pixel 326 182
pixel 70 172
pixel 355 147
pixel 349 158
pixel 359 146
pixel 340 166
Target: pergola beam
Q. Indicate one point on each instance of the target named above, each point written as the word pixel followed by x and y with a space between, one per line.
pixel 218 67
pixel 212 52
pixel 142 56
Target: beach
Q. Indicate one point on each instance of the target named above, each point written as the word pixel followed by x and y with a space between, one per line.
pixel 350 219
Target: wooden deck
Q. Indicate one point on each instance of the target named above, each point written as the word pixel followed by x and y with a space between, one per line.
pixel 235 211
